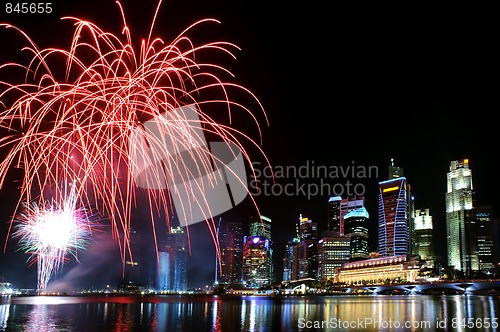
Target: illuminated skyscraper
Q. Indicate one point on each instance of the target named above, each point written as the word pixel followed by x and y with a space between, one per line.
pixel 231 246
pixel 394 217
pixel 262 229
pixel 487 239
pixel 356 229
pixel 307 255
pixel 172 262
pixel 347 205
pixel 333 224
pixel 291 261
pixel 255 269
pixel 423 240
pixel 333 253
pixel 462 246
pixel 133 264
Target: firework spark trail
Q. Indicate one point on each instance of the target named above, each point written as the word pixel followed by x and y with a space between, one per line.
pixel 51 232
pixel 78 128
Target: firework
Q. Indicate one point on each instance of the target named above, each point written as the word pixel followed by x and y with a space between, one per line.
pixel 51 232
pixel 83 125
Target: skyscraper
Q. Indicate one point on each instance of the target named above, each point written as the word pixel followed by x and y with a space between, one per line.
pixel 231 246
pixel 132 273
pixel 172 275
pixel 394 217
pixel 262 228
pixel 462 247
pixel 333 253
pixel 291 261
pixel 423 240
pixel 255 269
pixel 356 229
pixel 307 255
pixel 487 239
pixel 347 205
pixel 333 223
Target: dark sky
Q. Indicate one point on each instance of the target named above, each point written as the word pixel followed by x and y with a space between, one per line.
pixel 342 85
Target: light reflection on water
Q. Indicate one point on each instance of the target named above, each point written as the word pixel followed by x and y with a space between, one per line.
pixel 250 313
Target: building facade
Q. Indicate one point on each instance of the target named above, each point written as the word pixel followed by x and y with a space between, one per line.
pixel 334 224
pixel 261 227
pixel 347 205
pixel 394 217
pixel 379 271
pixel 356 229
pixel 461 242
pixel 487 239
pixel 423 237
pixel 333 253
pixel 256 270
pixel 231 250
pixel 172 272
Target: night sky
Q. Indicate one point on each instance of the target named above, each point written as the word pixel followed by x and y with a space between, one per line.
pixel 341 84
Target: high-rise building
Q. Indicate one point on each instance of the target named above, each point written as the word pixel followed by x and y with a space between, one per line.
pixel 307 255
pixel 133 262
pixel 394 217
pixel 231 247
pixel 356 229
pixel 291 261
pixel 262 229
pixel 172 274
pixel 333 253
pixel 423 239
pixel 462 244
pixel 333 223
pixel 487 239
pixel 255 269
pixel 396 172
pixel 347 205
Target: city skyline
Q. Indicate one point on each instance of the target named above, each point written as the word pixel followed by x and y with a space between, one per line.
pixel 395 87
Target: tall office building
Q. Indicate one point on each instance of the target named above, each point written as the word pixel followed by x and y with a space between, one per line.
pixel 333 253
pixel 487 239
pixel 398 172
pixel 231 247
pixel 307 255
pixel 172 273
pixel 462 246
pixel 347 205
pixel 356 229
pixel 262 228
pixel 333 223
pixel 256 270
pixel 394 217
pixel 291 261
pixel 133 262
pixel 423 240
